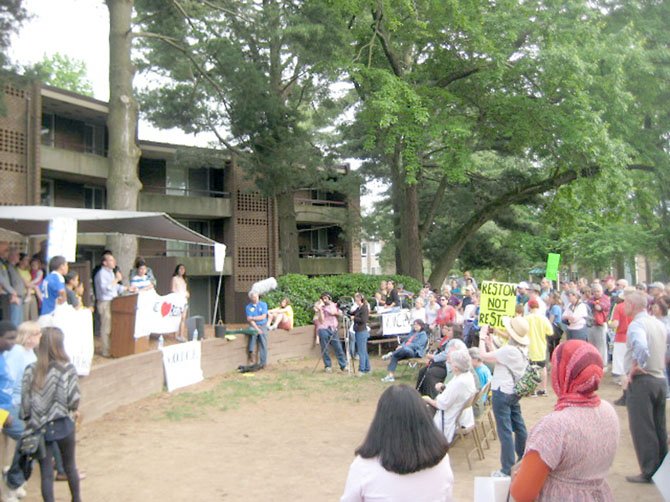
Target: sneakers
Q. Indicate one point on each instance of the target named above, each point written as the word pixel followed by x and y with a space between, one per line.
pixel 387 356
pixel 621 401
pixel 388 379
pixel 328 369
pixel 499 474
pixel 362 374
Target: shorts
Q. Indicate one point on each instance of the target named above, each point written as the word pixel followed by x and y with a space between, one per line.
pixel 285 325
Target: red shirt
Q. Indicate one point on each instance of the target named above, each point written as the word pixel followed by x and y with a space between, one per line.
pixel 624 321
pixel 445 315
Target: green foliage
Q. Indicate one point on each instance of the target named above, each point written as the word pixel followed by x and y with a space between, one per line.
pixel 304 291
pixel 63 72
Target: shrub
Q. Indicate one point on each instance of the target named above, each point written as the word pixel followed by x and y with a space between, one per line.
pixel 304 291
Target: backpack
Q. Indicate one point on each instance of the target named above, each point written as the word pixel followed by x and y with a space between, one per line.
pixel 528 382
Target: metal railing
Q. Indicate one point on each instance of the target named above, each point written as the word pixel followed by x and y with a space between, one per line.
pixel 187 192
pixel 320 202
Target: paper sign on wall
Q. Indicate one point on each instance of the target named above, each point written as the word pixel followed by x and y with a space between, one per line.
pixel 553 261
pixel 497 300
pixel 77 328
pixel 182 364
pixel 62 238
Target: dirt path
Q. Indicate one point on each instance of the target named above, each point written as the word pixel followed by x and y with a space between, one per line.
pixel 283 435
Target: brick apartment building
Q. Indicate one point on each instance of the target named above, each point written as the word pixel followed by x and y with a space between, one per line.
pixel 53 152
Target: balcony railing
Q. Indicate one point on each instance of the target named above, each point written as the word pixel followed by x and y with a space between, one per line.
pixel 187 192
pixel 75 146
pixel 320 202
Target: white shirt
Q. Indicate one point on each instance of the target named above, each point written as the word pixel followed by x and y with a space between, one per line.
pixel 508 357
pixel 577 317
pixel 368 481
pixel 451 400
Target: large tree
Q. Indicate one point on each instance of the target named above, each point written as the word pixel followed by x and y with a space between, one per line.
pixel 491 105
pixel 253 73
pixel 123 185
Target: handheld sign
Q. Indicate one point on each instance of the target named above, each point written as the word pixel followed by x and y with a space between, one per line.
pixel 396 323
pixel 553 260
pixel 497 300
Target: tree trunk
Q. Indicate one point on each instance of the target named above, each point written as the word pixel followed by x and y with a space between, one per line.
pixel 288 234
pixel 123 185
pixel 409 256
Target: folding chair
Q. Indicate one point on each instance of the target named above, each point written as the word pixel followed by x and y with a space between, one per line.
pixel 472 431
pixel 486 415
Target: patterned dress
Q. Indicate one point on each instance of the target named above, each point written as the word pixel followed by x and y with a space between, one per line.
pixel 578 444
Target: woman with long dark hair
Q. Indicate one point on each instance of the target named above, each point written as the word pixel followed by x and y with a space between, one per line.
pixel 361 332
pixel 49 402
pixel 179 284
pixel 403 457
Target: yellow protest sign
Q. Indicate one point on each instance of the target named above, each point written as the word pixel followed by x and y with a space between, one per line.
pixel 496 300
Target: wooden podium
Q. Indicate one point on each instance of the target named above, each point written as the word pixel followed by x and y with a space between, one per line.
pixel 123 341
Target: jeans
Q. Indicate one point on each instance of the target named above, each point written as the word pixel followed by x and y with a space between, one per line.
pixel 362 350
pixel 262 344
pixel 67 448
pixel 16 313
pixel 329 337
pixel 15 476
pixel 598 338
pixel 509 421
pixel 398 354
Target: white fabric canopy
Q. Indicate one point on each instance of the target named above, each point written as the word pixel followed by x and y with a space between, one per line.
pixel 34 220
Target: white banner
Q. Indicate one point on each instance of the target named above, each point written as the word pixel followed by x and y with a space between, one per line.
pixel 219 256
pixel 182 364
pixel 396 323
pixel 62 238
pixel 158 314
pixel 77 328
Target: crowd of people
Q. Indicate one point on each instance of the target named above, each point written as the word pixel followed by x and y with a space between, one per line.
pixel 31 288
pixel 582 332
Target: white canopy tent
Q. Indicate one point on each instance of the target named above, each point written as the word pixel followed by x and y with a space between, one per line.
pixel 34 220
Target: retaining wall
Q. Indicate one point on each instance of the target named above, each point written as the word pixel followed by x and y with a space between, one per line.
pixel 129 379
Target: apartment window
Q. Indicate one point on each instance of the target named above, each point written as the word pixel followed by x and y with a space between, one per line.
pixel 177 248
pixel 364 250
pixel 95 197
pixel 47 193
pixel 48 129
pixel 94 139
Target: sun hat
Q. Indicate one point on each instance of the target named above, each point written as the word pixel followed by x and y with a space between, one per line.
pixel 522 285
pixel 517 328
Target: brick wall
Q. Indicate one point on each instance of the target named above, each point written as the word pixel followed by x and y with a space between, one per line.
pixel 129 379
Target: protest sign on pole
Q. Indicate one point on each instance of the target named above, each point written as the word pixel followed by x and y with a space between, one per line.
pixel 553 261
pixel 497 300
pixel 396 323
pixel 182 364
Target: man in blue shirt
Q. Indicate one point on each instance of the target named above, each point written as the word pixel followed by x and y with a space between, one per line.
pixel 53 289
pixel 257 317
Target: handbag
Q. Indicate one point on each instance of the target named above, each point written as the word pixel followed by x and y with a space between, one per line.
pixel 30 442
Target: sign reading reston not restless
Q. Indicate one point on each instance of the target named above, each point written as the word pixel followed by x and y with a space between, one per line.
pixel 497 300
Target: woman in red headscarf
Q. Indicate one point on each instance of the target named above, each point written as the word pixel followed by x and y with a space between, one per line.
pixel 570 451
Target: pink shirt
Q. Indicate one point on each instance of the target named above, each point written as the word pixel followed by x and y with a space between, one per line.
pixel 329 318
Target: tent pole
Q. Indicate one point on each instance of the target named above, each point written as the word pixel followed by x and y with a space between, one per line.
pixel 218 294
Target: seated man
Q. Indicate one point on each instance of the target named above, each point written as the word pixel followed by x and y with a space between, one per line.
pixel 257 317
pixel 414 345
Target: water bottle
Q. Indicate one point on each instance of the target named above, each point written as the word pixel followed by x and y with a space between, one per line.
pixel 195 335
pixel 161 341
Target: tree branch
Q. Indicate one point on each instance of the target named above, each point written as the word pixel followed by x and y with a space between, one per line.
pixel 436 202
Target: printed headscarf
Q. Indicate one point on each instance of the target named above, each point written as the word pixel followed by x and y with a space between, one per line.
pixel 576 371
